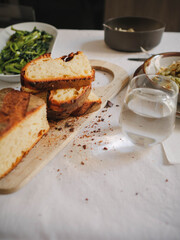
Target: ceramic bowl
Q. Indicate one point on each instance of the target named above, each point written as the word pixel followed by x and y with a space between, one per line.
pixel 147 33
pixel 159 61
pixel 162 60
pixel 7 32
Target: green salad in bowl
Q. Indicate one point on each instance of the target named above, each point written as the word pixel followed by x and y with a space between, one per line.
pixel 167 64
pixel 22 47
pixel 172 71
pixel 21 43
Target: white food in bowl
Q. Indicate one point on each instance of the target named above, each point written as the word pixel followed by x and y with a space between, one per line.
pixel 155 64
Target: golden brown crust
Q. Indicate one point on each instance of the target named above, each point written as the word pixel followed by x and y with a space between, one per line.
pixel 14 107
pixel 28 90
pixel 58 110
pixel 55 83
pixel 58 83
pixel 61 105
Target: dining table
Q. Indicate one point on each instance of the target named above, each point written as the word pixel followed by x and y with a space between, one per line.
pixel 99 185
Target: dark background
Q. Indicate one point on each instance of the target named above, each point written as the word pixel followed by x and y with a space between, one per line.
pixel 87 14
pixel 66 14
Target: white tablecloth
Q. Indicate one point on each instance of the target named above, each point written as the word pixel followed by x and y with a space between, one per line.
pixel 91 193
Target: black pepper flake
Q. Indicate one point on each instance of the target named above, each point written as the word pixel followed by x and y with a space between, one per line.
pixel 84 146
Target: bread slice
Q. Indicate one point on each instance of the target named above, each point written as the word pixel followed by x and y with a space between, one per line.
pixel 29 90
pixel 92 104
pixel 62 102
pixel 23 122
pixel 46 73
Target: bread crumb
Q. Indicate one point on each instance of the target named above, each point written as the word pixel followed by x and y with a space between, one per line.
pixel 71 129
pixel 67 125
pixel 109 104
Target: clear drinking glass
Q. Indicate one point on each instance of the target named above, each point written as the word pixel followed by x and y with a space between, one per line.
pixel 149 109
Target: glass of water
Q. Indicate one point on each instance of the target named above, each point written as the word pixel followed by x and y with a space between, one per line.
pixel 149 109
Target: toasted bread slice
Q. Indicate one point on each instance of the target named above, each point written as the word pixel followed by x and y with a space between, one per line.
pixel 46 73
pixel 23 121
pixel 92 104
pixel 62 102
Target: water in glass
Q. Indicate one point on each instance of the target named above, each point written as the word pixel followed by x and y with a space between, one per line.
pixel 147 116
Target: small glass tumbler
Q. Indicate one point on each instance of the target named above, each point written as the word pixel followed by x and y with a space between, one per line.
pixel 149 109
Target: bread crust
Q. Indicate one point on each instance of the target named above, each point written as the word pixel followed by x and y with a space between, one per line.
pixel 60 110
pixel 86 108
pixel 15 108
pixel 55 82
pixel 28 90
pixel 56 105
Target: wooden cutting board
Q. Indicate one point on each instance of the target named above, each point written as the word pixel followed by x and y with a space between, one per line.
pixel 59 135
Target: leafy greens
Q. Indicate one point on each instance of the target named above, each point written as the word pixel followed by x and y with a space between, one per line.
pixel 22 47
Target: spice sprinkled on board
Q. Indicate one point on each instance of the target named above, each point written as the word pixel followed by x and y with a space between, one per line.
pixel 109 104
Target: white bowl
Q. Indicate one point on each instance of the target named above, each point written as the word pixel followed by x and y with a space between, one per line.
pixel 153 64
pixel 7 32
pixel 162 60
